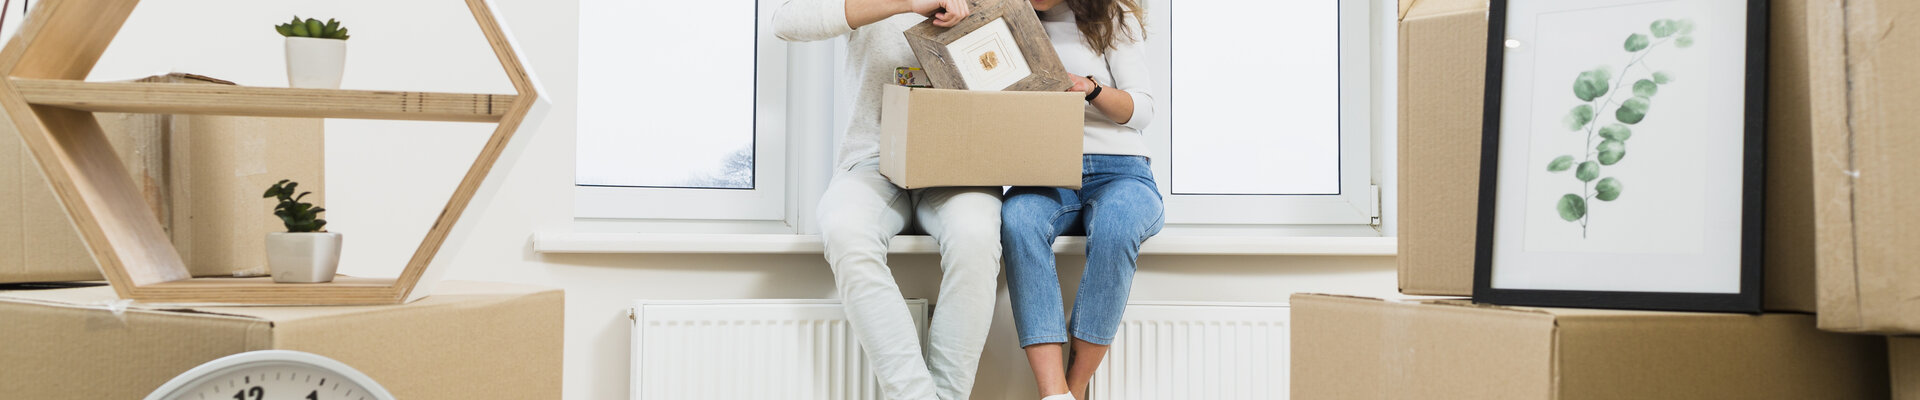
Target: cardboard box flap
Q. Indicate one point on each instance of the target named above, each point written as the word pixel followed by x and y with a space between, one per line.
pixel 1417 9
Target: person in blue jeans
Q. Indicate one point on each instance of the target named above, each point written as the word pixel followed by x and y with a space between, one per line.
pixel 1117 207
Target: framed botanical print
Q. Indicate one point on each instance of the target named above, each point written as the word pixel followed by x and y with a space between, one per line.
pixel 1622 158
pixel 1000 46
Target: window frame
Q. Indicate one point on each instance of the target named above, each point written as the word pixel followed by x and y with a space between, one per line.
pixel 767 201
pixel 1356 204
pixel 805 128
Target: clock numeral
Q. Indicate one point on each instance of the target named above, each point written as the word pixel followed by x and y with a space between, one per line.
pixel 254 393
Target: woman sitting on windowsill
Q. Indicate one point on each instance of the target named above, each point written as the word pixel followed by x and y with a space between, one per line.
pixel 1117 207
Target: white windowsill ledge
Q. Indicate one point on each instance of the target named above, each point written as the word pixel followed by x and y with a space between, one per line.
pixel 658 243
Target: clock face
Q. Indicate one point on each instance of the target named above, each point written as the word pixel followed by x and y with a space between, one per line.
pixel 272 375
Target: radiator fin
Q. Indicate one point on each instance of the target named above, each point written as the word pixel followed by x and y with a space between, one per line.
pixel 750 349
pixel 1196 351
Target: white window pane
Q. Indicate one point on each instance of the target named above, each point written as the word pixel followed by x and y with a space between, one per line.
pixel 669 95
pixel 1254 108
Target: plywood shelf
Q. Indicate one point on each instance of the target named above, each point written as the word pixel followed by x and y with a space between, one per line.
pixel 177 98
pixel 44 96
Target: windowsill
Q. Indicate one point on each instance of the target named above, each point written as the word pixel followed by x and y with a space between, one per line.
pixel 656 243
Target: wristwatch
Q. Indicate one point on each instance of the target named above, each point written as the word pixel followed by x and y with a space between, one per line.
pixel 1096 89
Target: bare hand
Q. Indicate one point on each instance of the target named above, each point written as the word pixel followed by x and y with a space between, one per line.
pixel 1081 84
pixel 945 13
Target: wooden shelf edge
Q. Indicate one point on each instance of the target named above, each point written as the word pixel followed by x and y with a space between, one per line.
pixel 263 291
pixel 182 98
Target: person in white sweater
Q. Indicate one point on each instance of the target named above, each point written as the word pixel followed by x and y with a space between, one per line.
pixel 1117 207
pixel 861 211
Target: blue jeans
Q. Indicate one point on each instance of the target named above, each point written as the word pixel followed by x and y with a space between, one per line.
pixel 1117 207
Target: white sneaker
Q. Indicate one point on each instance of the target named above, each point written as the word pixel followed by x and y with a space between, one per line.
pixel 1062 396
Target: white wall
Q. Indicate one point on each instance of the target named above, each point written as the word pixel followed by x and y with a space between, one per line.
pixel 387 180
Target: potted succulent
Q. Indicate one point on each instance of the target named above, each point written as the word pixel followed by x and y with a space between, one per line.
pixel 305 253
pixel 316 52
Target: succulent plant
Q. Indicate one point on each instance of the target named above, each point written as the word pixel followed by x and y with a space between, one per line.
pixel 312 28
pixel 298 216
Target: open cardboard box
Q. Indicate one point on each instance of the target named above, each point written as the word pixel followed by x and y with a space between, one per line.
pixel 941 137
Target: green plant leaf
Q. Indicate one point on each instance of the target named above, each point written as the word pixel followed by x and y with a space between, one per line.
pixel 1572 207
pixel 1560 164
pixel 1637 42
pixel 1662 77
pixel 1611 151
pixel 1618 132
pixel 1664 28
pixel 1633 111
pixel 1608 189
pixel 1579 117
pixel 1683 42
pixel 300 30
pixel 1685 26
pixel 1587 172
pixel 1592 84
pixel 1645 88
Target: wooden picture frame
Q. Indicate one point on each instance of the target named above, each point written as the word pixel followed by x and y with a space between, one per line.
pixel 1680 226
pixel 972 55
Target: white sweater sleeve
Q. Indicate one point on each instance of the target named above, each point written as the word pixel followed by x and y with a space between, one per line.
pixel 810 20
pixel 1128 64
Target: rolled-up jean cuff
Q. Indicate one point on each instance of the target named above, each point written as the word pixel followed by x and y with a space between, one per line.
pixel 1103 341
pixel 1024 342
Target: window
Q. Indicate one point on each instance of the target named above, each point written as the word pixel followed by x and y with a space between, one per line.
pixel 1244 131
pixel 1245 139
pixel 686 117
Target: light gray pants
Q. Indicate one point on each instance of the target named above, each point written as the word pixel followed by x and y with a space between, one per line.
pixel 859 214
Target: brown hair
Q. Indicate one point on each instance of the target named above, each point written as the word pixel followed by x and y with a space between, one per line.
pixel 1105 21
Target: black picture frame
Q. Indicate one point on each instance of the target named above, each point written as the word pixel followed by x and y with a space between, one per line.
pixel 1753 182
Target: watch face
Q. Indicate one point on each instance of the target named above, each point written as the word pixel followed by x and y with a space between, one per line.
pixel 272 375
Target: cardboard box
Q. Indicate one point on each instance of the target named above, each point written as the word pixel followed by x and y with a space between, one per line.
pixel 470 340
pixel 1443 60
pixel 1903 357
pixel 202 175
pixel 1865 101
pixel 939 137
pixel 1360 348
pixel 1442 74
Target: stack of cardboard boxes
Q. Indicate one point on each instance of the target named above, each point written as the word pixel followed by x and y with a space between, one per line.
pixel 1840 255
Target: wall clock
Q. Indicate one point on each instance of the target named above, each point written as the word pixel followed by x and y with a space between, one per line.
pixel 272 374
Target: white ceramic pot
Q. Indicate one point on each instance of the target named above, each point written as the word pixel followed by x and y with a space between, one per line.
pixel 305 257
pixel 316 63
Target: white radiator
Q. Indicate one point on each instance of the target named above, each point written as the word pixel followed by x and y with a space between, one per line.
pixel 751 349
pixel 1197 351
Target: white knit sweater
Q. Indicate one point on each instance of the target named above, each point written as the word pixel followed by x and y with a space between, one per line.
pixel 1124 68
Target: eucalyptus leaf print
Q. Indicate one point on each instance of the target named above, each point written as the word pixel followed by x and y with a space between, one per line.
pixel 1602 95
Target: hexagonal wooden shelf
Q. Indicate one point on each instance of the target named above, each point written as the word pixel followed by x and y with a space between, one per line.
pixel 43 95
